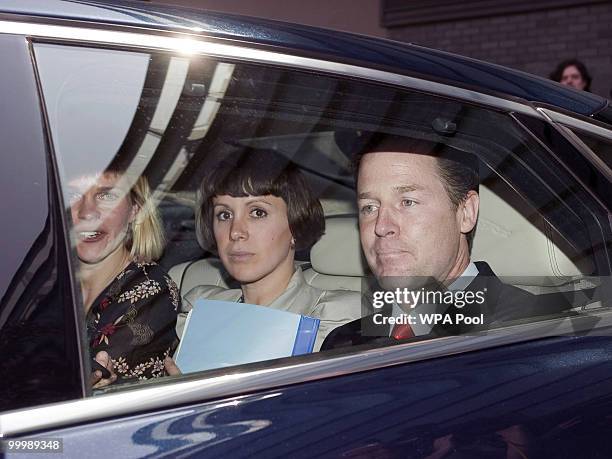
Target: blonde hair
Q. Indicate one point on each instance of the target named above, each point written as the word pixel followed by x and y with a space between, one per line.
pixel 146 239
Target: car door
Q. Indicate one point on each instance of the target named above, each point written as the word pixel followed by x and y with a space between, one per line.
pixel 537 387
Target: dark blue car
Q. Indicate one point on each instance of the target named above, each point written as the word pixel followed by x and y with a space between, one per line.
pixel 173 93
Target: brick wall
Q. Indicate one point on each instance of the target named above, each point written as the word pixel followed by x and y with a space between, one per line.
pixel 358 16
pixel 534 42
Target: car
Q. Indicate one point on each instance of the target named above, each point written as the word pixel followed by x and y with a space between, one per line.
pixel 175 90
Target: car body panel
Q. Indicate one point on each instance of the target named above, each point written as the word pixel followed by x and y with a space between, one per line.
pixel 556 394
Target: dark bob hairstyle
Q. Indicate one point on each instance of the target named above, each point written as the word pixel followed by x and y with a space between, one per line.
pixel 260 172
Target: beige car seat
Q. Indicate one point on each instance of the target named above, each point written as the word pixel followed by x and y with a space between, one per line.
pixel 522 248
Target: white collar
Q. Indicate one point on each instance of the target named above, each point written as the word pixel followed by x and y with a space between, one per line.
pixel 466 278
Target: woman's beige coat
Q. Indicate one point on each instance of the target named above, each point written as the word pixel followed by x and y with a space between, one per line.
pixel 332 307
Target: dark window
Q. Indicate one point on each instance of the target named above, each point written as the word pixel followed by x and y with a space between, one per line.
pixel 602 147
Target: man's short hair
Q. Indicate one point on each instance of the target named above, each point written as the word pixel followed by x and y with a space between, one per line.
pixel 260 172
pixel 458 170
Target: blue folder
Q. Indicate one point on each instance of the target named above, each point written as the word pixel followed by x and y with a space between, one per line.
pixel 224 333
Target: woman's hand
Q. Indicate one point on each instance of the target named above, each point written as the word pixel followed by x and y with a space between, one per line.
pixel 171 367
pixel 96 379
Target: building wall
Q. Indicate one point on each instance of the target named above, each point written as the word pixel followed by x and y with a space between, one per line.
pixel 529 35
pixel 357 16
pixel 532 41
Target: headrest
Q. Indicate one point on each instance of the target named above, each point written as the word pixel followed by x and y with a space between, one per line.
pixel 521 247
pixel 338 252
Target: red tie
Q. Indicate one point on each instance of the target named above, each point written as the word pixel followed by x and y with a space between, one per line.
pixel 402 331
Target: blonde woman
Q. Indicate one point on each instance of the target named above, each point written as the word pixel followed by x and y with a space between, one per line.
pixel 130 302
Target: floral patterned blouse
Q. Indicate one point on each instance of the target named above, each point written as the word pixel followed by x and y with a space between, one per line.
pixel 133 320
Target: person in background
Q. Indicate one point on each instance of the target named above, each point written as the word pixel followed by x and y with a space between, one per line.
pixel 574 73
pixel 130 303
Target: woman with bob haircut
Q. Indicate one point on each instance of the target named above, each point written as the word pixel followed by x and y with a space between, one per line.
pixel 254 213
pixel 130 302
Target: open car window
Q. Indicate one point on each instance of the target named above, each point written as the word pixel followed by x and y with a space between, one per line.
pixel 120 118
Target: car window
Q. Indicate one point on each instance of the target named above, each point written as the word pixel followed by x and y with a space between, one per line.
pixel 600 146
pixel 140 137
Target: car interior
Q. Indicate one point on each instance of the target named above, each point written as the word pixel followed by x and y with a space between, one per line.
pixel 189 114
pixel 522 247
pixel 523 250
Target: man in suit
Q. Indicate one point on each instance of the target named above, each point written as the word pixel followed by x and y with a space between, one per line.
pixel 418 208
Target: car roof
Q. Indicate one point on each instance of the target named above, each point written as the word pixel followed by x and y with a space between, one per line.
pixel 404 58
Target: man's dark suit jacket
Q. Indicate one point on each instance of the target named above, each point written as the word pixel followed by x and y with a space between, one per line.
pixel 502 303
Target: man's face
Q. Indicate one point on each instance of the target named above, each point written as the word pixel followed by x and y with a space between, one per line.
pixel 572 77
pixel 407 223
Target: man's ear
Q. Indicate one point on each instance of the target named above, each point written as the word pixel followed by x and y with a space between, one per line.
pixel 468 211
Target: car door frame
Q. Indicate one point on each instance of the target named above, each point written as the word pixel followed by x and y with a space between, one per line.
pixel 218 384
